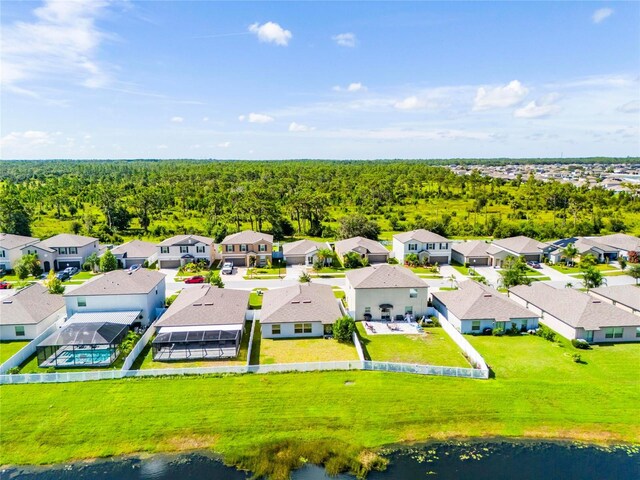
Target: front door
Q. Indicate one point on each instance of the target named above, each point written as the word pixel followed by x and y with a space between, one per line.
pixel 385 314
pixel 589 336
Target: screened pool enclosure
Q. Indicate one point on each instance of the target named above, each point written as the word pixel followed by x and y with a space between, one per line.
pixel 174 343
pixel 90 344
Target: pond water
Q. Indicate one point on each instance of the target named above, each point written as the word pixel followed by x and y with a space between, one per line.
pixel 460 461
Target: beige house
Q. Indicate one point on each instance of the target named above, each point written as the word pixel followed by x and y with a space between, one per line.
pixel 626 297
pixel 372 250
pixel 426 245
pixel 473 252
pixel 63 250
pixel 303 252
pixel 246 247
pixel 29 312
pixel 519 246
pixel 179 250
pixel 135 252
pixel 386 292
pixel 303 310
pixel 11 249
pixel 574 314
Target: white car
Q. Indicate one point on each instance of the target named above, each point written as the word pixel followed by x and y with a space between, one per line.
pixel 227 268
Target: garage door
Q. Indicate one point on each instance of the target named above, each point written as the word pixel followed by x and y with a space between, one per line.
pixel 169 263
pixel 64 264
pixel 440 260
pixel 479 261
pixel 532 258
pixel 237 262
pixel 295 260
pixel 377 258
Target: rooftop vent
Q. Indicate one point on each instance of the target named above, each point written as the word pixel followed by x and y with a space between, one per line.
pixel 306 301
pixel 487 295
pixel 8 301
pixel 209 304
pixel 596 301
pixel 295 301
pixel 197 304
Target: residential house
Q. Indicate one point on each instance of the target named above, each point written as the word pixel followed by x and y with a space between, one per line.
pixel 179 250
pixel 520 246
pixel 135 252
pixel 203 322
pixel 626 297
pixel 63 250
pixel 372 250
pixel 303 252
pixel 303 310
pixel 474 307
pixel 247 247
pixel 141 292
pixel 386 292
pixel 574 314
pixel 473 252
pixel 11 249
pixel 29 312
pixel 429 246
pixel 622 243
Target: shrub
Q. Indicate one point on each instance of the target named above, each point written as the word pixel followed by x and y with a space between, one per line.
pixel 86 267
pixel 53 284
pixel 498 332
pixel 576 358
pixel 108 262
pixel 579 343
pixel 513 331
pixel 304 278
pixel 392 261
pixel 13 370
pixel 317 265
pixel 343 329
pixel 434 321
pixel 546 333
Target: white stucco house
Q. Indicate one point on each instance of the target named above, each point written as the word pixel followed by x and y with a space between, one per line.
pixel 622 243
pixel 179 250
pixel 626 297
pixel 474 307
pixel 63 250
pixel 473 252
pixel 303 252
pixel 29 312
pixel 574 314
pixel 386 292
pixel 372 250
pixel 135 252
pixel 427 245
pixel 520 246
pixel 11 249
pixel 142 291
pixel 303 310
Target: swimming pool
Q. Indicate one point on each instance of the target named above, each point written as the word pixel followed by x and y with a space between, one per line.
pixel 85 356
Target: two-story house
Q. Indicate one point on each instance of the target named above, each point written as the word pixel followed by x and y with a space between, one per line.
pixel 247 247
pixel 177 251
pixel 429 246
pixel 63 250
pixel 11 249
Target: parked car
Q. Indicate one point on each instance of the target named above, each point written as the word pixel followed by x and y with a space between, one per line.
pixel 227 268
pixel 71 271
pixel 533 264
pixel 62 276
pixel 4 285
pixel 196 279
pixel 135 267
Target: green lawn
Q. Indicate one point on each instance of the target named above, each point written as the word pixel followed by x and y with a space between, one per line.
pixel 255 300
pixel 268 271
pixel 603 267
pixel 538 392
pixel 339 294
pixel 9 349
pixel 183 276
pixel 145 360
pixel 9 278
pixel 434 347
pixel 430 271
pixel 293 350
pixel 263 277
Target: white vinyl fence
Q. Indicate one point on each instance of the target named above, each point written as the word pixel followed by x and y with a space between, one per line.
pixel 29 349
pixel 253 331
pixel 138 347
pixel 472 354
pixel 356 342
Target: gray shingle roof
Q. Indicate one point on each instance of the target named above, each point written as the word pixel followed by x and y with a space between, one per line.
pixel 583 245
pixel 136 249
pixel 185 240
pixel 247 236
pixel 120 282
pixel 29 306
pixel 474 301
pixel 575 308
pixel 628 295
pixel 520 244
pixel 421 235
pixel 384 276
pixel 621 241
pixel 310 302
pixel 302 247
pixel 473 248
pixel 67 240
pixel 206 305
pixel 10 241
pixel 370 246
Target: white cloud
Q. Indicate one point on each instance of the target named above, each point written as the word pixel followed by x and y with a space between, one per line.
pixel 543 107
pixel 500 97
pixel 352 87
pixel 224 144
pixel 409 103
pixel 28 138
pixel 177 119
pixel 61 42
pixel 271 32
pixel 601 14
pixel 630 107
pixel 256 118
pixel 205 119
pixel 345 39
pixel 298 127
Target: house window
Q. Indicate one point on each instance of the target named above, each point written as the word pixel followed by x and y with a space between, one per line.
pixel 413 247
pixel 430 246
pixel 73 250
pixel 413 293
pixel 2 254
pixel 19 330
pixel 164 249
pixel 443 246
pixel 637 332
pixel 275 329
pixel 408 310
pixel 184 249
pixel 262 247
pixel 243 247
pixel 82 301
pixel 228 248
pixel 367 310
pixel 475 326
pixel 62 250
pixel 614 332
pixel 302 328
pixel 199 248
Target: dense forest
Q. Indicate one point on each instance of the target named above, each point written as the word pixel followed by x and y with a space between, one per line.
pixel 118 200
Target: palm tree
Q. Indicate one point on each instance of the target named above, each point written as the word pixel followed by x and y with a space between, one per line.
pixel 569 252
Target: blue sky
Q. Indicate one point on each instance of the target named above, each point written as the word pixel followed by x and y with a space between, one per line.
pixel 242 80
